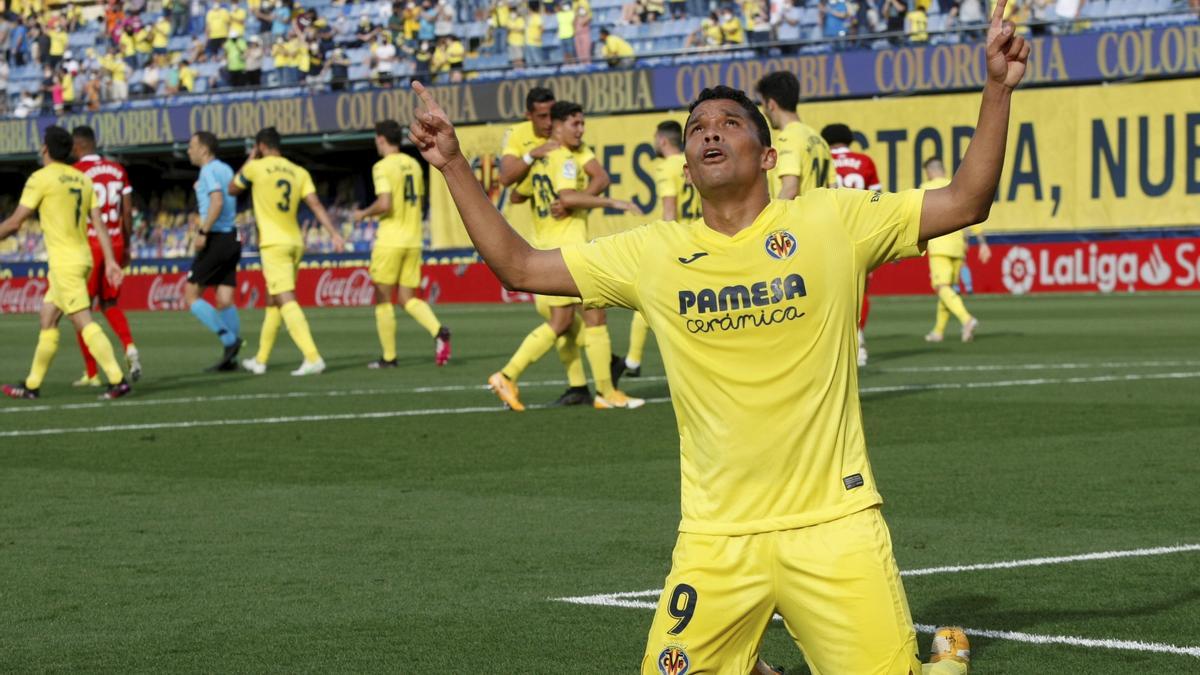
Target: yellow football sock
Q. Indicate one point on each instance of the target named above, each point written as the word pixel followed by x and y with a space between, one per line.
pixel 954 304
pixel 102 351
pixel 297 327
pixel 43 356
pixel 385 323
pixel 270 330
pixel 423 314
pixel 569 353
pixel 944 668
pixel 637 338
pixel 599 355
pixel 533 347
pixel 943 318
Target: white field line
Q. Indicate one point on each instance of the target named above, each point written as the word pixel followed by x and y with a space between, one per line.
pixel 458 411
pixel 337 393
pixel 628 600
pixel 623 599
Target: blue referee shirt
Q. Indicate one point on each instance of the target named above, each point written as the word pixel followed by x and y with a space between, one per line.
pixel 215 177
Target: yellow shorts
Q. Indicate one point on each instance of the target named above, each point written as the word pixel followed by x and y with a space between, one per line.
pixel 554 301
pixel 280 265
pixel 68 288
pixel 943 270
pixel 395 266
pixel 835 584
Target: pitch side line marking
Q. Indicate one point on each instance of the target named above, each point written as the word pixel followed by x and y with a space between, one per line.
pixel 622 599
pixel 459 411
pixel 551 383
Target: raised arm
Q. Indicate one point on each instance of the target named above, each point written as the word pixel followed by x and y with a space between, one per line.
pixel 518 265
pixel 967 200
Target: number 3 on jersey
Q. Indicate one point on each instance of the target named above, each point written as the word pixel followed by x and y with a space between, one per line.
pixel 285 201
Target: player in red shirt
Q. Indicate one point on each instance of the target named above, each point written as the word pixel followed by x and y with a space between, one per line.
pixel 855 171
pixel 115 203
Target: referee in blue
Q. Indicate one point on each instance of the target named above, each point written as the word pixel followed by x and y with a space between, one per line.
pixel 218 250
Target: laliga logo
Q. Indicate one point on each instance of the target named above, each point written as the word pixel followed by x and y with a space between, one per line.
pixel 1018 270
pixel 165 294
pixel 18 299
pixel 1155 271
pixel 780 244
pixel 350 291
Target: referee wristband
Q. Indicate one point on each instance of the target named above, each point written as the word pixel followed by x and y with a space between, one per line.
pixel 528 159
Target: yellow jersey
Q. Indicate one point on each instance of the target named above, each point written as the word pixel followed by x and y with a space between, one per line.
pixel 58 41
pixel 731 31
pixel 534 28
pixel 237 21
pixel 516 31
pixel 279 187
pixel 804 154
pixel 400 176
pixel 758 334
pixel 162 33
pixel 561 169
pixel 519 140
pixel 62 197
pixel 918 25
pixel 669 180
pixel 953 245
pixel 566 23
pixel 217 23
pixel 615 47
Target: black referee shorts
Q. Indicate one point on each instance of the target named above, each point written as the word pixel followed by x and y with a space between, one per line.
pixel 217 264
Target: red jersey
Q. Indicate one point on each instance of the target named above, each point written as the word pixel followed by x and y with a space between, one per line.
pixel 855 170
pixel 111 184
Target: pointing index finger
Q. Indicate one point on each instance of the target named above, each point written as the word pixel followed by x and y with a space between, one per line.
pixel 426 98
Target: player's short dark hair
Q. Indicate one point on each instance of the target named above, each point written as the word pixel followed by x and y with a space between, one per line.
pixel 270 138
pixel 723 93
pixel 672 131
pixel 837 134
pixel 84 133
pixel 781 87
pixel 58 143
pixel 208 139
pixel 561 110
pixel 538 95
pixel 391 131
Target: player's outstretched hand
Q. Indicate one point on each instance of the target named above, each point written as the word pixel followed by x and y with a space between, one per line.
pixel 1007 52
pixel 432 131
pixel 113 274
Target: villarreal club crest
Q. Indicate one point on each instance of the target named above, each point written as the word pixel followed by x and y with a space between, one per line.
pixel 780 244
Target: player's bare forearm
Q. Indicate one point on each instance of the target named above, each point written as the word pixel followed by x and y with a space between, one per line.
pixel 234 188
pixel 573 199
pixel 789 187
pixel 381 205
pixel 322 215
pixel 513 169
pixel 669 208
pixel 102 237
pixel 598 178
pixel 518 265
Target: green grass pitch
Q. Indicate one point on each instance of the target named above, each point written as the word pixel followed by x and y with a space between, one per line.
pixel 437 535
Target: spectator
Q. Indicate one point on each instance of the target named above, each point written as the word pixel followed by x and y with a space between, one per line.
pixel 339 69
pixel 26 106
pixel 143 44
pixel 197 11
pixel 426 29
pixel 49 81
pixel 39 42
pixel 616 51
pixel 179 17
pixel 650 11
pixel 254 62
pixel 384 56
pixel 1041 13
pixel 439 67
pixel 758 25
pixel 395 23
pixel 835 19
pixel 788 27
pixel 918 24
pixel 677 9
pixel 187 77
pixel 299 56
pixel 566 30
pixel 91 90
pixel 66 91
pixel 583 31
pixel 118 73
pixel 18 44
pixel 516 37
pixel 281 21
pixel 970 13
pixel 216 24
pixel 534 28
pixel 170 78
pixel 235 58
pixel 237 17
pixel 151 78
pixel 498 16
pixel 443 24
pixel 56 37
pixel 731 28
pixel 456 53
pixel 367 32
pixel 424 59
pixel 161 36
pixel 128 46
pixel 708 35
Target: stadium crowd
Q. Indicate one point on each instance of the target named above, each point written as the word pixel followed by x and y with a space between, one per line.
pixel 65 56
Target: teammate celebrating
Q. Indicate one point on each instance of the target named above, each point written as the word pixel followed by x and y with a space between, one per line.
pixel 780 509
pixel 857 172
pixel 560 180
pixel 524 144
pixel 62 198
pixel 279 187
pixel 396 253
pixel 946 255
pixel 804 159
pixel 113 199
pixel 218 250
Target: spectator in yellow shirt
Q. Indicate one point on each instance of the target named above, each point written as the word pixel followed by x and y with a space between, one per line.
pixel 187 76
pixel 534 28
pixel 731 29
pixel 615 50
pixel 216 27
pixel 516 37
pixel 456 53
pixel 161 36
pixel 566 30
pixel 143 44
pixel 237 18
pixel 58 44
pixel 918 25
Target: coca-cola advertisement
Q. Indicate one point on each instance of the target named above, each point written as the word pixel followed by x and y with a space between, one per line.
pixel 19 296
